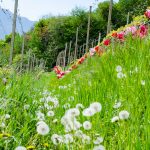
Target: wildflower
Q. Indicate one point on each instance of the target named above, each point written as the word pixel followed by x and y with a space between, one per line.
pixel 79 106
pixel 147 13
pixel 86 139
pixel 56 139
pixel 98 140
pixel 87 125
pixel 115 119
pixel 40 115
pixel 67 105
pixel 73 112
pixel 106 42
pixel 79 133
pixel 7 116
pixel 42 128
pixel 118 68
pixel 68 138
pixel 46 145
pixel 55 120
pixel 120 75
pixel 96 107
pixel 123 115
pixel 88 112
pixel 50 113
pixel 114 34
pixel 100 147
pixel 26 107
pixel 2 125
pixel 117 105
pixel 143 82
pixel 30 147
pixel 20 148
pixel 4 80
pixel 120 36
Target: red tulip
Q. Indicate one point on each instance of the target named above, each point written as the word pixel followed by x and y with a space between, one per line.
pixel 106 42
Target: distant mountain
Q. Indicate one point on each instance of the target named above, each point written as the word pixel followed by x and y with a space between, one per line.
pixel 6 23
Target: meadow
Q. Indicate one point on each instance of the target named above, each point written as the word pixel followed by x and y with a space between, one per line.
pixel 103 104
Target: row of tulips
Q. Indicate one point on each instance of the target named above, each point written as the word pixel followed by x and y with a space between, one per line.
pixel 115 36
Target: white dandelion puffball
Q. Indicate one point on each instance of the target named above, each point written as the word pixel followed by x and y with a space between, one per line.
pixel 20 148
pixel 7 116
pixel 40 116
pixel 117 105
pixel 56 139
pixel 118 68
pixel 42 128
pixel 143 82
pixel 50 113
pixel 86 139
pixel 87 125
pixel 115 119
pixel 99 140
pixel 96 106
pixel 73 112
pixel 68 138
pixel 26 107
pixel 123 115
pixel 78 134
pixel 88 112
pixel 100 147
pixel 120 75
pixel 78 106
pixel 2 125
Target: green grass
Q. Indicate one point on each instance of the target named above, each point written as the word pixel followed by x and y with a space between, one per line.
pixel 94 81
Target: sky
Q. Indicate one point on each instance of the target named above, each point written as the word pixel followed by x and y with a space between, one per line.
pixel 35 9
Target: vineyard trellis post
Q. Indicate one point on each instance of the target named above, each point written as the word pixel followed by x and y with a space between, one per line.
pixel 99 38
pixel 88 29
pixel 66 46
pixel 76 44
pixel 13 32
pixel 109 17
pixel 22 50
pixel 70 45
pixel 128 17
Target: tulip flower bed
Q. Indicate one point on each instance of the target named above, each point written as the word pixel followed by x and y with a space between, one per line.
pixel 101 105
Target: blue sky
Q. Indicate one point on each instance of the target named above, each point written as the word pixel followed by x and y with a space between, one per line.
pixel 35 9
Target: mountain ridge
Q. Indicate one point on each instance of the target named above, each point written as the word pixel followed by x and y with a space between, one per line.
pixel 6 23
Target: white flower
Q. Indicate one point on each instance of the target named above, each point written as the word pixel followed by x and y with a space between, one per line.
pixel 7 116
pixel 96 106
pixel 73 112
pixel 120 75
pixel 42 128
pixel 56 139
pixel 55 120
pixel 2 125
pixel 87 125
pixel 68 138
pixel 118 68
pixel 50 113
pixel 98 140
pixel 20 148
pixel 4 80
pixel 117 105
pixel 79 106
pixel 86 139
pixel 66 106
pixel 124 115
pixel 114 119
pixel 40 115
pixel 143 82
pixel 79 133
pixel 100 147
pixel 88 112
pixel 26 106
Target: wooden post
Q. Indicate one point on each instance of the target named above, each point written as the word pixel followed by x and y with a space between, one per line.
pixel 69 52
pixel 22 50
pixel 13 32
pixel 99 38
pixel 65 55
pixel 29 59
pixel 76 44
pixel 109 17
pixel 88 29
pixel 128 17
